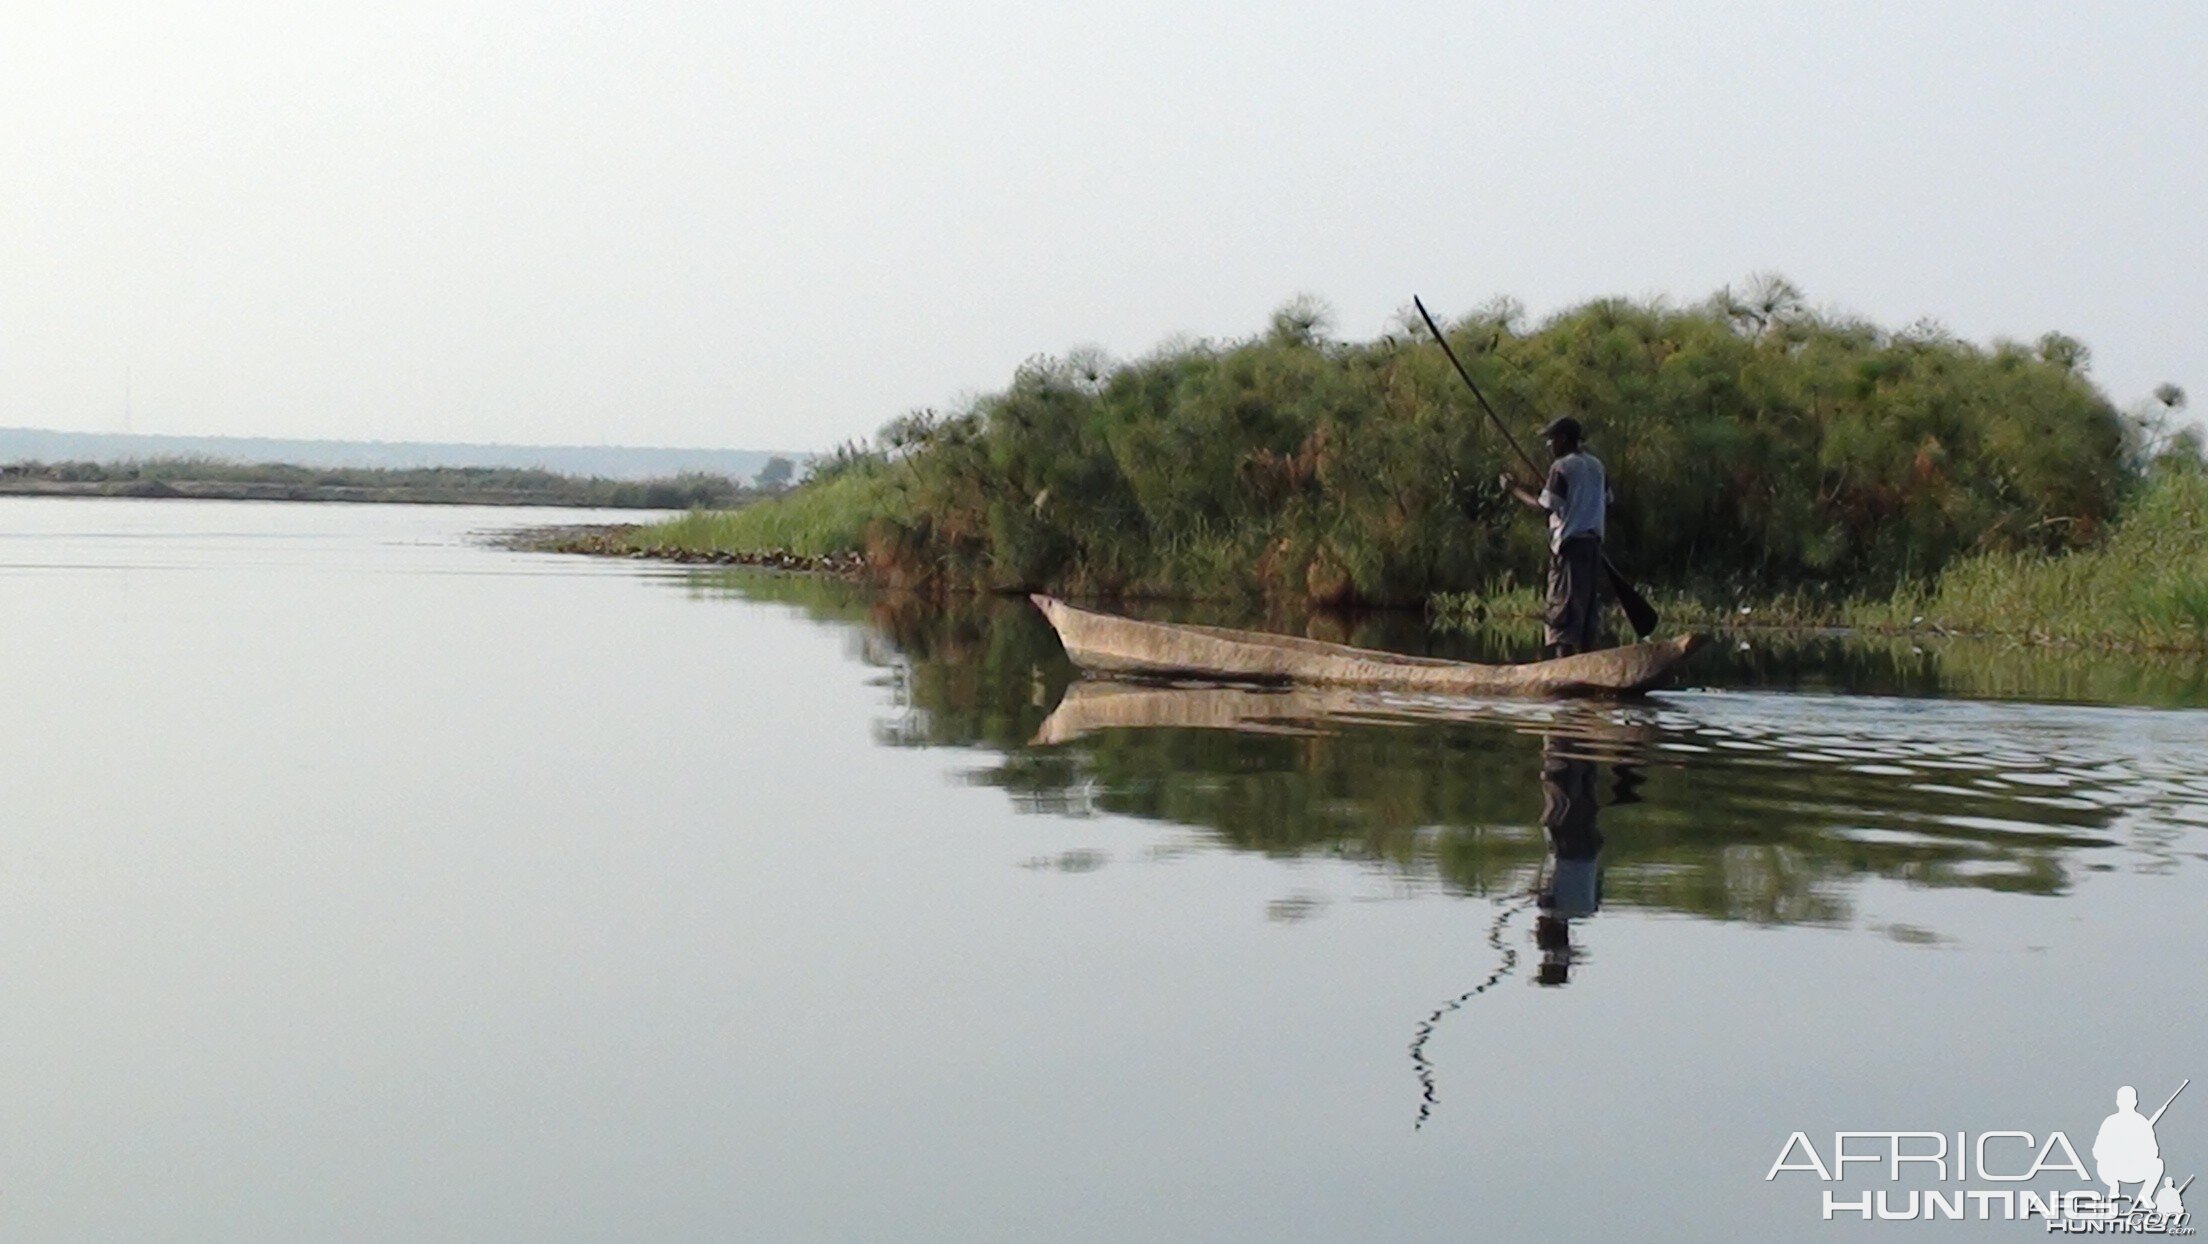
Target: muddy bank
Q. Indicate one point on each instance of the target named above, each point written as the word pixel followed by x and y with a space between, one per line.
pixel 618 540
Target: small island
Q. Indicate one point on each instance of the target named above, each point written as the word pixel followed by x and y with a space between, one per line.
pixel 1772 463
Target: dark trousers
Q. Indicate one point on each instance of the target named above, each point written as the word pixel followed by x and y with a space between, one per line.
pixel 1575 596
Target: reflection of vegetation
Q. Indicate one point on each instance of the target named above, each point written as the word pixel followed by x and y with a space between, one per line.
pixel 1740 818
pixel 1772 843
pixel 1978 668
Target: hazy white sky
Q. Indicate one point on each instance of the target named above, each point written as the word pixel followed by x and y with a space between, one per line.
pixel 772 224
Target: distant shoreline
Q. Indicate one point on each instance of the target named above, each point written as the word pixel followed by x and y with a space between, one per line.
pixel 209 480
pixel 200 490
pixel 620 462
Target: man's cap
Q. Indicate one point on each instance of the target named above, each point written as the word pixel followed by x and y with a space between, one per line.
pixel 1566 427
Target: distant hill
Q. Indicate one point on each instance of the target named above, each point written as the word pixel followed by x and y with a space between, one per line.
pixel 607 461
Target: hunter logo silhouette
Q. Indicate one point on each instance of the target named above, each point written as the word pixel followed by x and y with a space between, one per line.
pixel 2125 1151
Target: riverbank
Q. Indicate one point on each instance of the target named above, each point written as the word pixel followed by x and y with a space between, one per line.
pixel 156 490
pixel 1769 464
pixel 636 540
pixel 2143 588
pixel 1756 455
pixel 192 479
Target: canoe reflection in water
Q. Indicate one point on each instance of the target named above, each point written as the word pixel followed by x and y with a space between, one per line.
pixel 1574 745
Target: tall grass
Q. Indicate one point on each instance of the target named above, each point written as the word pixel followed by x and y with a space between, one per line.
pixel 2146 586
pixel 1510 602
pixel 821 518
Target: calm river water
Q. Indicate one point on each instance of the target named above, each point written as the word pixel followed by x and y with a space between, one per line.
pixel 359 881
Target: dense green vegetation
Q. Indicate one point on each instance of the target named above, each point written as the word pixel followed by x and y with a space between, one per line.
pixel 207 477
pixel 2146 586
pixel 1757 448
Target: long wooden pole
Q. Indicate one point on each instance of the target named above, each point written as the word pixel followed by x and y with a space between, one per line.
pixel 1637 609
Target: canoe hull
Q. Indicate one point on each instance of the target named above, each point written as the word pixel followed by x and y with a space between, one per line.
pixel 1126 647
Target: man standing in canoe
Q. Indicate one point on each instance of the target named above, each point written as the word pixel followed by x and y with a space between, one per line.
pixel 1576 497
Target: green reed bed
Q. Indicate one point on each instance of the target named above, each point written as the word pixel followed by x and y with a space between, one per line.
pixel 2145 586
pixel 1793 610
pixel 820 519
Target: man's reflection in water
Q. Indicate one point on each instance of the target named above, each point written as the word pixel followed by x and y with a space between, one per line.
pixel 1571 879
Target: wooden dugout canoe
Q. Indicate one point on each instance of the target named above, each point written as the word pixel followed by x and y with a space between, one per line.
pixel 1107 644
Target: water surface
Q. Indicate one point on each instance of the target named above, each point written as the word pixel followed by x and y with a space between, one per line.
pixel 360 881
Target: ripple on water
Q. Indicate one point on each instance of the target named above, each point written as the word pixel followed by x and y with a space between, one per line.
pixel 2043 766
pixel 1766 807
